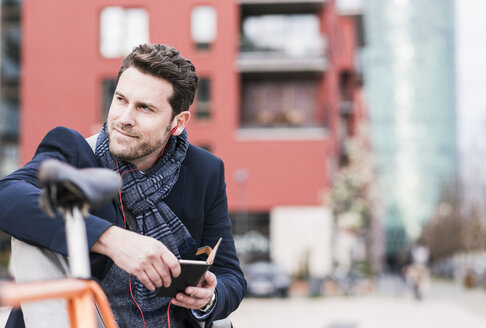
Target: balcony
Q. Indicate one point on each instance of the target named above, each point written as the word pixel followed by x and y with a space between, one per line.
pixel 261 62
pixel 282 43
pixel 280 6
pixel 263 2
pixel 281 61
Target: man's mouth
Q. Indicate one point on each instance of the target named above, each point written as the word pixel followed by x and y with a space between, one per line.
pixel 125 134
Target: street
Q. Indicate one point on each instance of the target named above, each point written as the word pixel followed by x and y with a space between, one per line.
pixel 361 312
pixel 391 306
pixel 447 305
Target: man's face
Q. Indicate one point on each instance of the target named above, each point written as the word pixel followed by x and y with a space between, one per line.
pixel 139 120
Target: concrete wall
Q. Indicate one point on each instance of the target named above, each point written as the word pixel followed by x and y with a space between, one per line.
pixel 300 235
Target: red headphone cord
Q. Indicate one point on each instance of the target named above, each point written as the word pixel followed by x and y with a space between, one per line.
pixel 168 314
pixel 125 221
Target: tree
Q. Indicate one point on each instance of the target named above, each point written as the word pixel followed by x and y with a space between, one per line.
pixel 454 228
pixel 353 195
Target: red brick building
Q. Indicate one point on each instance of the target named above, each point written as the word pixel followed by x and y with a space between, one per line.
pixel 279 90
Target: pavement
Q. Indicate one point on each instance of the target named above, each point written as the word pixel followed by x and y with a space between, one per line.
pixel 390 305
pixel 355 312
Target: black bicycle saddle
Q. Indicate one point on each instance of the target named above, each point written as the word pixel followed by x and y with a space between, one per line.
pixel 64 186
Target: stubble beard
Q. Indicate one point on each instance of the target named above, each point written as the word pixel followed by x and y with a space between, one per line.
pixel 130 153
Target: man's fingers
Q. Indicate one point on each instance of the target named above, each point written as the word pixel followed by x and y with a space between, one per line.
pixel 166 267
pixel 155 276
pixel 145 257
pixel 145 280
pixel 197 297
pixel 172 263
pixel 210 278
pixel 163 273
pixel 189 302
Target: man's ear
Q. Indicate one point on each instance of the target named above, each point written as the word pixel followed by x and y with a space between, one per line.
pixel 180 121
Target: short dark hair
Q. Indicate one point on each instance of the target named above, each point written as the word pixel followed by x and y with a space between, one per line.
pixel 163 61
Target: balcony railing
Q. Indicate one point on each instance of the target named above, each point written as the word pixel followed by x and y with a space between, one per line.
pixel 251 2
pixel 259 62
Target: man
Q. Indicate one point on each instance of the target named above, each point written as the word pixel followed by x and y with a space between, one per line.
pixel 173 199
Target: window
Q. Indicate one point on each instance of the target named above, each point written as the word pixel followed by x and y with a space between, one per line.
pixel 11 40
pixel 203 26
pixel 203 102
pixel 9 119
pixel 122 29
pixel 289 35
pixel 284 101
pixel 251 231
pixel 346 93
pixel 9 159
pixel 108 87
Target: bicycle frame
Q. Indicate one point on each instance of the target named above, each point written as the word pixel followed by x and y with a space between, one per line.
pixel 80 293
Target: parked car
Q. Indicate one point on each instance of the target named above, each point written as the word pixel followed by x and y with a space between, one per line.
pixel 266 279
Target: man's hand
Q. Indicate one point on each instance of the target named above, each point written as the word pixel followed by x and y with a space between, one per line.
pixel 197 297
pixel 144 257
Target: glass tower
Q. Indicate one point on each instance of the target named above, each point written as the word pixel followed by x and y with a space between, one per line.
pixel 409 80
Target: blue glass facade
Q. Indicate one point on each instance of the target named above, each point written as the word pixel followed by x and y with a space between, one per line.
pixel 10 71
pixel 409 80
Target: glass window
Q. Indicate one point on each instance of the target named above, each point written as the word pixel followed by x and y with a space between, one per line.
pixel 9 119
pixel 251 231
pixel 9 159
pixel 10 72
pixel 203 26
pixel 11 40
pixel 203 104
pixel 108 87
pixel 280 102
pixel 290 35
pixel 122 29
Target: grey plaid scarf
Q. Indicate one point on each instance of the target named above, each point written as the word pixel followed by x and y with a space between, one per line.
pixel 143 195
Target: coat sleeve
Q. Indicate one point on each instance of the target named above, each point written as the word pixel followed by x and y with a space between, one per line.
pixel 231 285
pixel 21 216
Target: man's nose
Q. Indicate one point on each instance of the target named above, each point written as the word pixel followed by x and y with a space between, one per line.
pixel 128 115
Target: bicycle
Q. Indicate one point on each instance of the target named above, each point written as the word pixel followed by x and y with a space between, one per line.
pixel 72 192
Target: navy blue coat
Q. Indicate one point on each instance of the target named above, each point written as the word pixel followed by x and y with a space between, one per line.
pixel 198 199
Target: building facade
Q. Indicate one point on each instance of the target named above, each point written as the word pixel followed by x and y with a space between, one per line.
pixel 278 92
pixel 410 85
pixel 10 46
